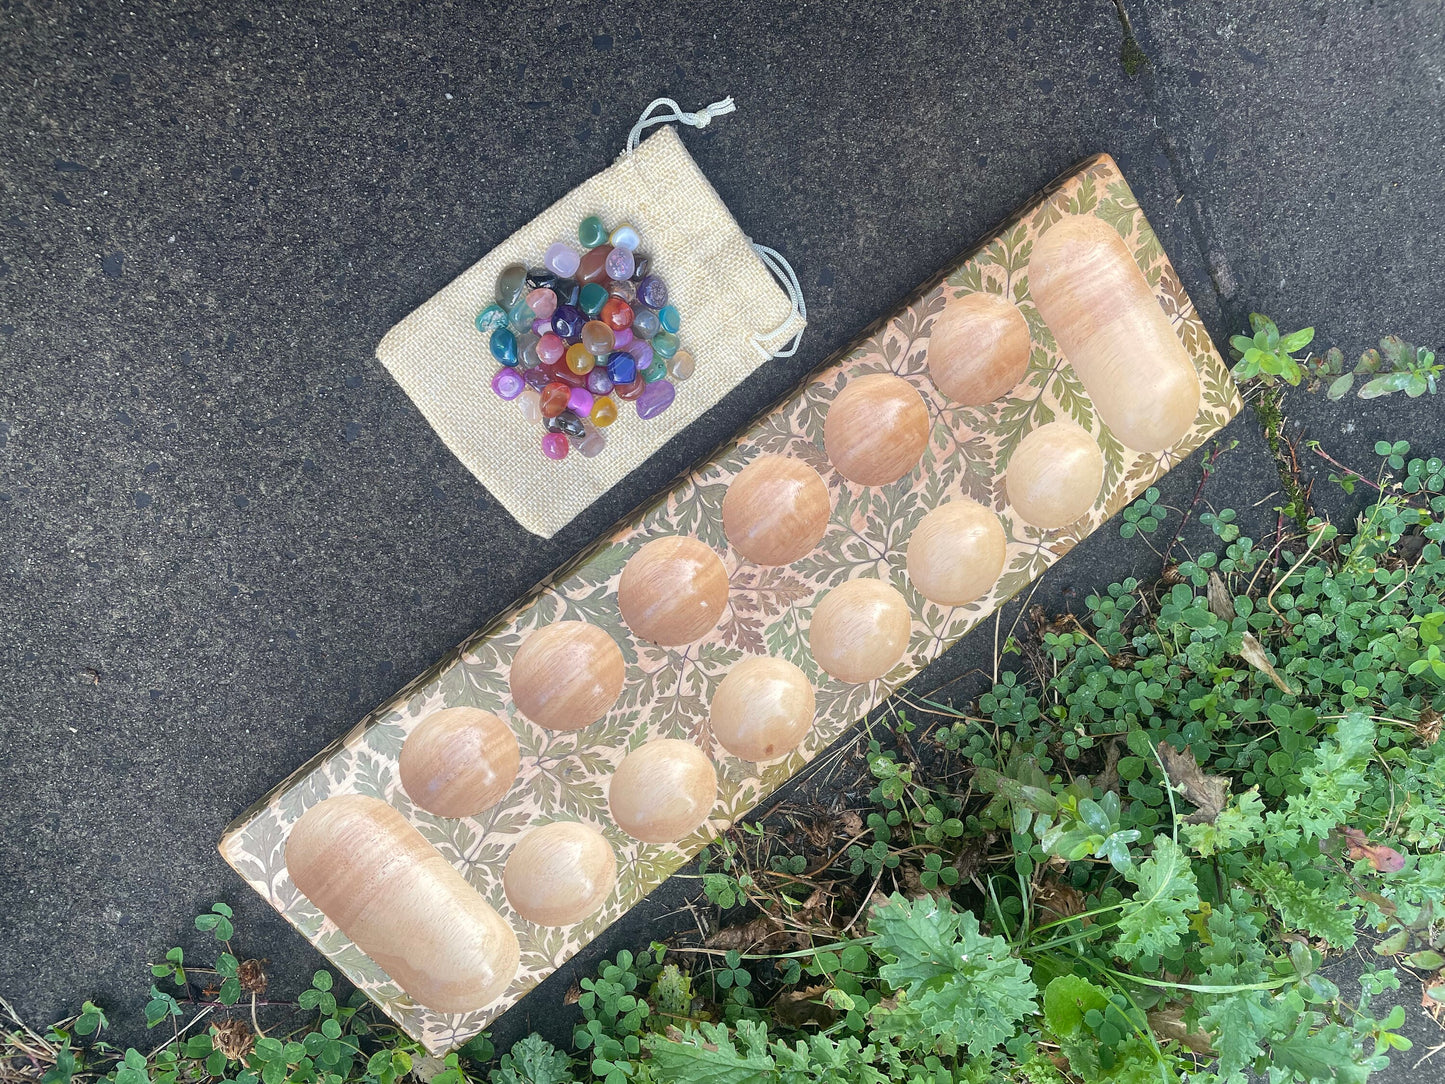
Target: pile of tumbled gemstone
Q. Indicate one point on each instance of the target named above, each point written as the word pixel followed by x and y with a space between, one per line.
pixel 588 329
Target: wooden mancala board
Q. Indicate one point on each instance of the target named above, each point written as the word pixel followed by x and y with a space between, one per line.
pixel 500 812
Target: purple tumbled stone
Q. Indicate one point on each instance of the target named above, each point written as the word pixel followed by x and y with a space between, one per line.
pixel 622 339
pixel 655 398
pixel 567 321
pixel 580 402
pixel 541 326
pixel 652 292
pixel 642 351
pixel 537 378
pixel 508 383
pixel 598 381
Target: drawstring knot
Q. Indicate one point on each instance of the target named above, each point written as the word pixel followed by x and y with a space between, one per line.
pixel 701 119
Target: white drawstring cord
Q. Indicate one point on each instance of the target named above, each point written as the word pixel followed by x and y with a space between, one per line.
pixel 772 259
pixel 783 272
pixel 701 119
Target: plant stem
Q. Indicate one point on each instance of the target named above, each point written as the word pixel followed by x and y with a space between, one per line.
pixel 1204 476
pixel 1348 470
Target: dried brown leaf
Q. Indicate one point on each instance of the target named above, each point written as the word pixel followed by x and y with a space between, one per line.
pixel 1252 652
pixel 1169 1024
pixel 1208 793
pixel 973 855
pixel 913 885
pixel 1108 779
pixel 817 909
pixel 1432 997
pixel 1221 602
pixel 1384 859
pixel 762 933
pixel 1058 899
pixel 797 1008
pixel 1427 726
pixel 818 832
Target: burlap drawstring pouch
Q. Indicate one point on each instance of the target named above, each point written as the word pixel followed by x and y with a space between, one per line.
pixel 740 304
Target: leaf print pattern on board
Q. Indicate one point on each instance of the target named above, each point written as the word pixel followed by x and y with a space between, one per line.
pixel 666 692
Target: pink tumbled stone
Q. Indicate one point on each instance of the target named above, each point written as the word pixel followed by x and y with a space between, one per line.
pixel 620 263
pixel 554 446
pixel 543 302
pixel 551 348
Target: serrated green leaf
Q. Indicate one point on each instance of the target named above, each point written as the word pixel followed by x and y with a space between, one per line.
pixel 1321 912
pixel 1327 1053
pixel 1154 919
pixel 710 1054
pixel 533 1060
pixel 954 977
pixel 1239 823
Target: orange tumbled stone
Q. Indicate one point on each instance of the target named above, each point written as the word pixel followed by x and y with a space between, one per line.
pixel 554 398
pixel 617 314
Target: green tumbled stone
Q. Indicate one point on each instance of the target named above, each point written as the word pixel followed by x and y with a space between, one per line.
pixel 491 318
pixel 511 284
pixel 656 371
pixel 520 317
pixel 664 343
pixel 591 232
pixel 592 298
